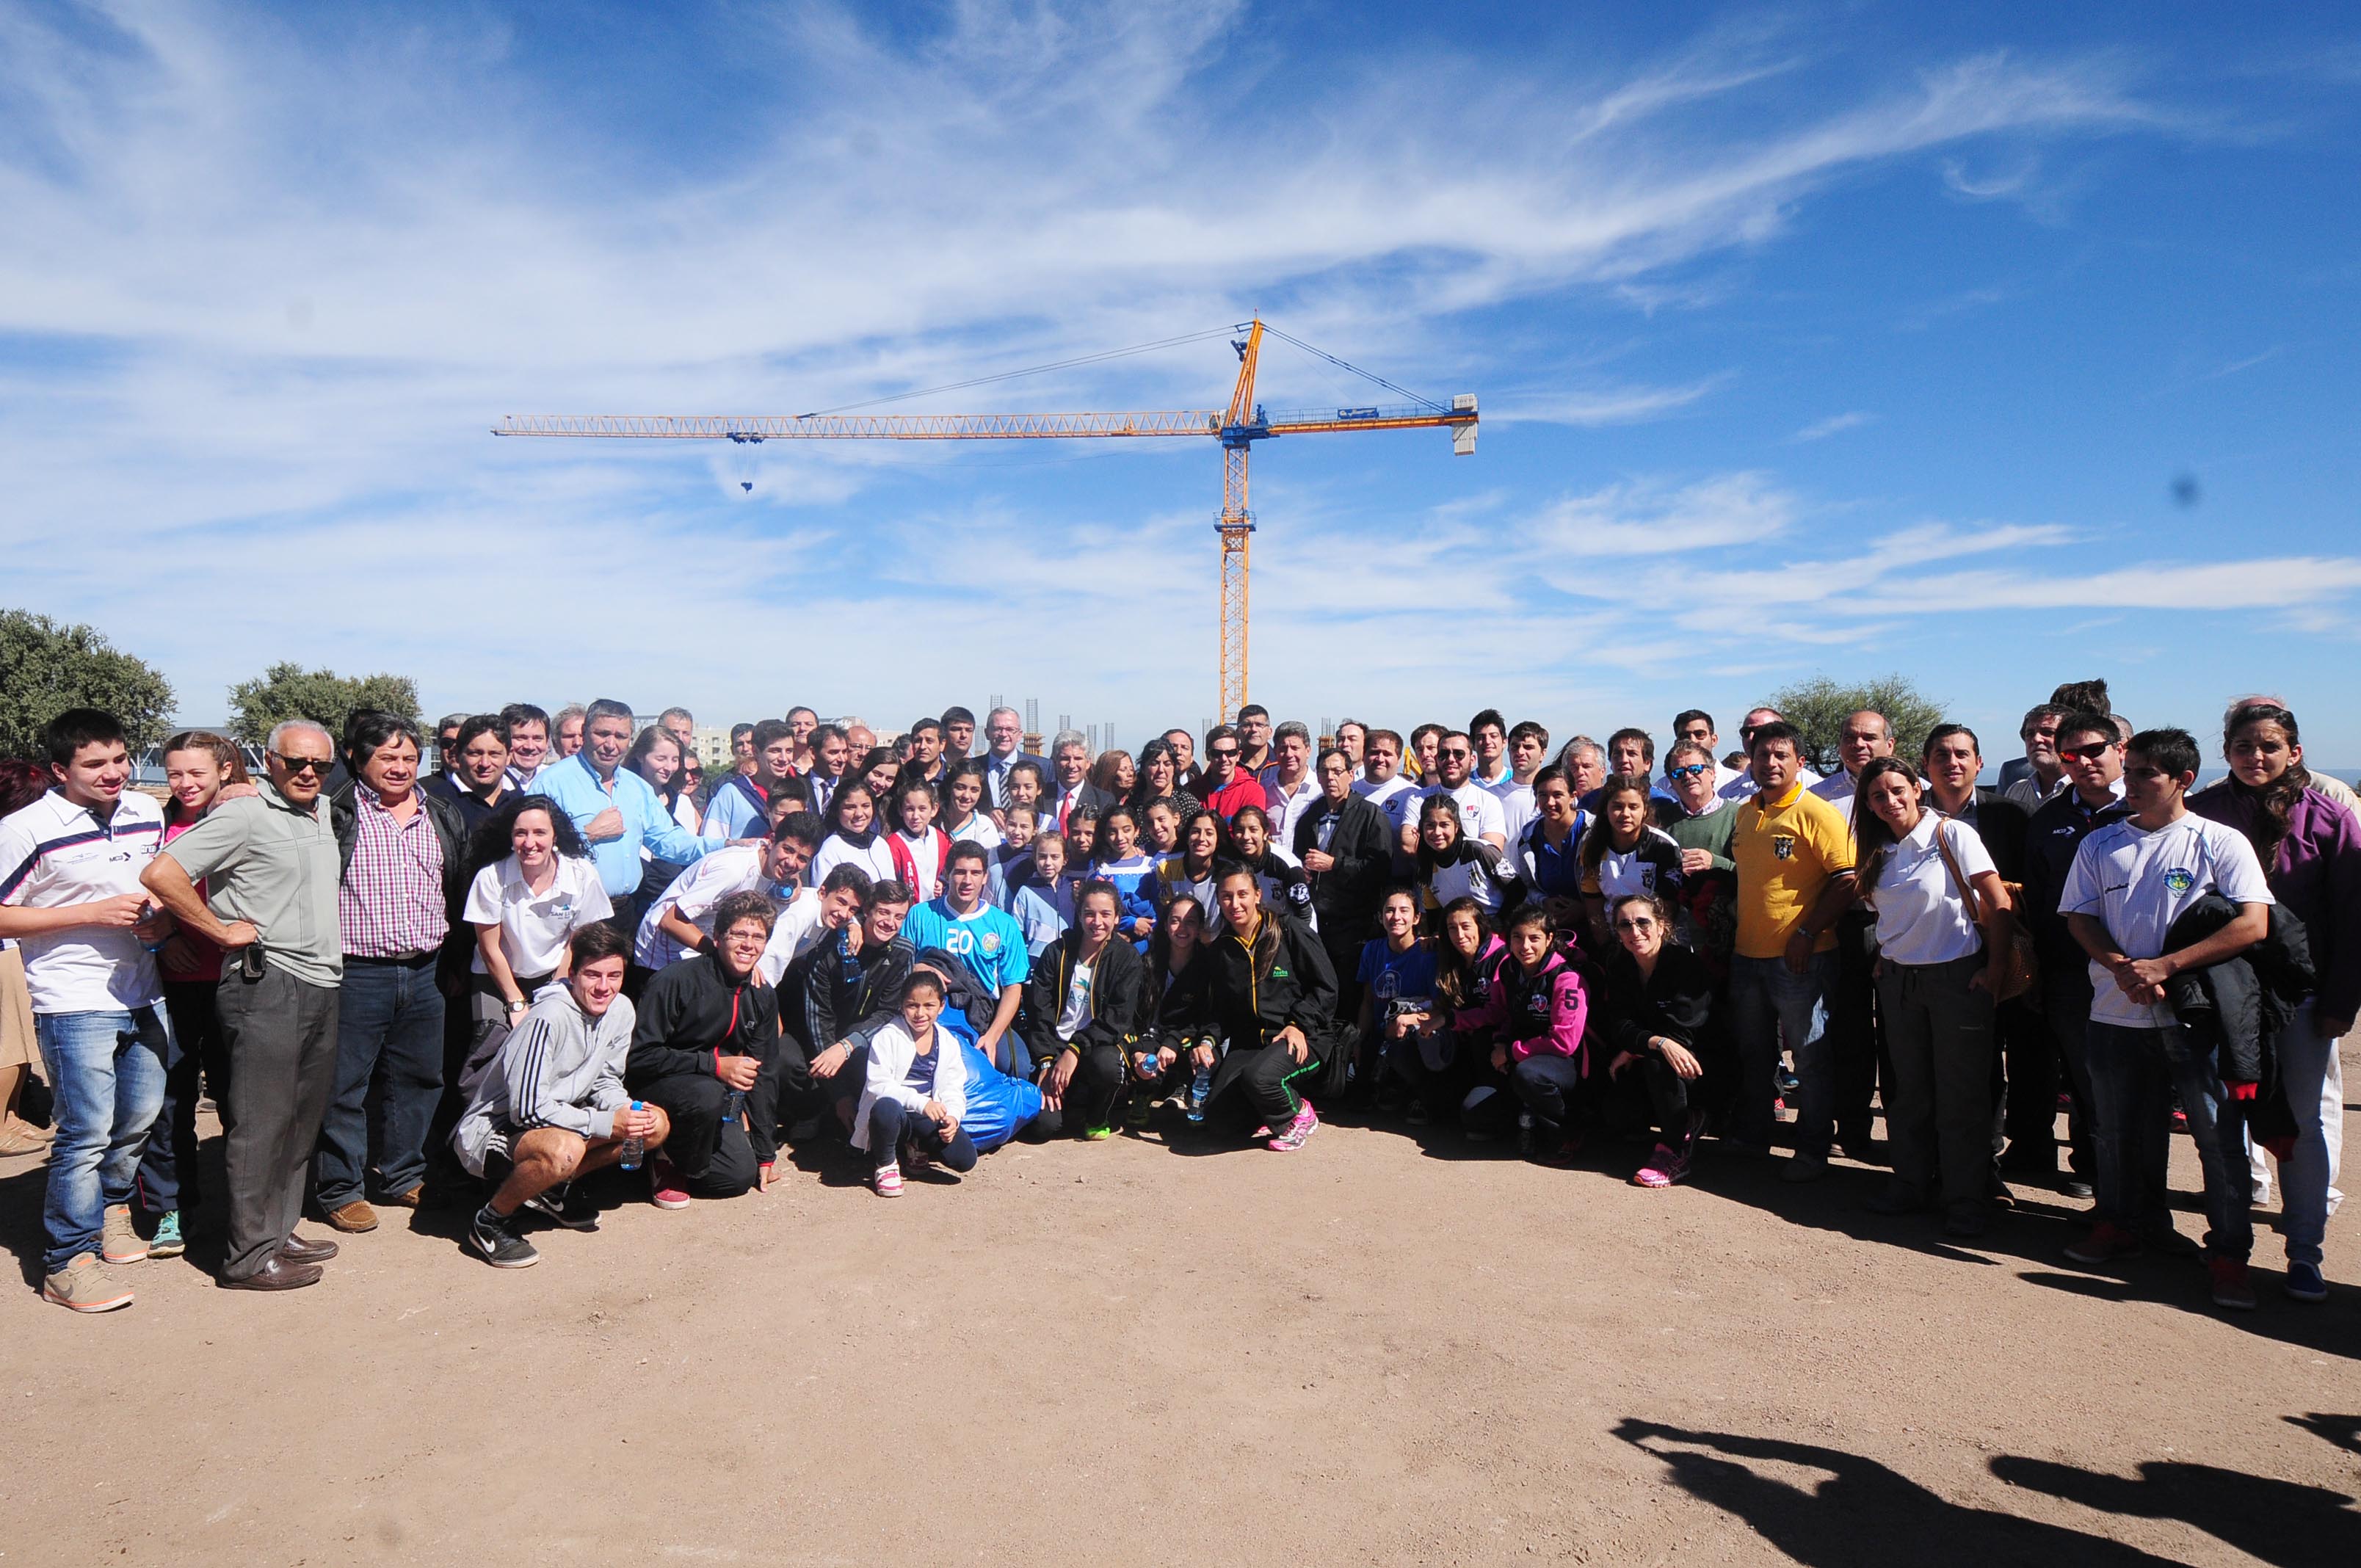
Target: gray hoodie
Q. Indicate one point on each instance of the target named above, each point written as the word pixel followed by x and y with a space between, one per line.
pixel 560 1067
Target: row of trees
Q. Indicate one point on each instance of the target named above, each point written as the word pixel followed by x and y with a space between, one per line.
pixel 45 667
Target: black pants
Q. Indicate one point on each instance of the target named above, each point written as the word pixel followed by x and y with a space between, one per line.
pixel 1938 1106
pixel 1097 1085
pixel 891 1125
pixel 1855 1047
pixel 167 1171
pixel 281 1036
pixel 1649 1090
pixel 1266 1080
pixel 1439 1088
pixel 2066 1009
pixel 714 1159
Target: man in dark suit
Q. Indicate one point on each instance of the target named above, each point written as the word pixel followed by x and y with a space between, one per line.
pixel 2028 1108
pixel 1346 847
pixel 1069 785
pixel 1005 736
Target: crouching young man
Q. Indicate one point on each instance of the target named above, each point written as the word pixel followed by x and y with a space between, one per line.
pixel 705 1047
pixel 552 1105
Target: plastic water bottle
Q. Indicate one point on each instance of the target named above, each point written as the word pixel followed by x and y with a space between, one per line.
pixel 1200 1087
pixel 634 1147
pixel 733 1105
pixel 1143 1064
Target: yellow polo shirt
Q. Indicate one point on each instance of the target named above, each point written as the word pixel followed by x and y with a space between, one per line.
pixel 1786 850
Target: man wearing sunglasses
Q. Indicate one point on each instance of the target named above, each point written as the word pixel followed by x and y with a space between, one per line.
pixel 1741 787
pixel 271 870
pixel 1480 815
pixel 1227 788
pixel 2089 750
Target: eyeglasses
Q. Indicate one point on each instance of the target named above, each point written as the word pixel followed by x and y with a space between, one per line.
pixel 319 765
pixel 1690 771
pixel 2090 753
pixel 1454 751
pixel 1641 925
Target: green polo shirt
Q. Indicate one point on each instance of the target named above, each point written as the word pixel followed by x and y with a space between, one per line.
pixel 264 862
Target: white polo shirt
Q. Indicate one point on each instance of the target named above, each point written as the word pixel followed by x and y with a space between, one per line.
pixel 1479 808
pixel 694 893
pixel 2138 883
pixel 1922 918
pixel 54 853
pixel 535 927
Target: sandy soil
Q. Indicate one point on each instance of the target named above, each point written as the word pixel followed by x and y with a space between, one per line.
pixel 1383 1349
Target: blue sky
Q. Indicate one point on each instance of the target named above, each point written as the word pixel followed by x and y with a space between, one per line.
pixel 1838 339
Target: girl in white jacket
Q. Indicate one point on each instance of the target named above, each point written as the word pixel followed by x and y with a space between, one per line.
pixel 916 1093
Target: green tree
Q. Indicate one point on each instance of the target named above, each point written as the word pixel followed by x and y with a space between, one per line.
pixel 46 668
pixel 1818 708
pixel 287 691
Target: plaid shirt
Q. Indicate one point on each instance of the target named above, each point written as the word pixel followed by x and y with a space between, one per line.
pixel 390 904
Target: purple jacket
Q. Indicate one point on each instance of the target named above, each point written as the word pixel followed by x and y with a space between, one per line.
pixel 2316 873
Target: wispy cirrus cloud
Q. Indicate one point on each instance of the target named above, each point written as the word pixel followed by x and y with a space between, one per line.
pixel 1835 424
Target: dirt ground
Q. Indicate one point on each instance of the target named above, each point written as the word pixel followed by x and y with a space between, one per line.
pixel 1386 1348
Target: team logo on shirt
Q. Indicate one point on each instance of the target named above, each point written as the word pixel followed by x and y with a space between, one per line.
pixel 989 942
pixel 2179 881
pixel 1783 846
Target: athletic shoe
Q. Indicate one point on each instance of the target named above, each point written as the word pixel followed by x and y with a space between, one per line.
pixel 1416 1113
pixel 2304 1282
pixel 2232 1289
pixel 83 1287
pixel 1664 1167
pixel 1138 1107
pixel 1788 1083
pixel 557 1203
pixel 1097 1135
pixel 1803 1167
pixel 166 1242
pixel 2074 1186
pixel 2170 1243
pixel 495 1236
pixel 2105 1244
pixel 1297 1131
pixel 119 1239
pixel 888 1181
pixel 1967 1222
pixel 665 1181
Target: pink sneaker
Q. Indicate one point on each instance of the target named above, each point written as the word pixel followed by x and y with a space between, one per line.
pixel 669 1193
pixel 889 1181
pixel 1665 1168
pixel 1297 1131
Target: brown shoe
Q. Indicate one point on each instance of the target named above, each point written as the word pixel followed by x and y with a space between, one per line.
pixel 409 1199
pixel 302 1249
pixel 276 1273
pixel 353 1218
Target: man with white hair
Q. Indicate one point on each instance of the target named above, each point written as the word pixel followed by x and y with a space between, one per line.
pixel 271 870
pixel 1003 735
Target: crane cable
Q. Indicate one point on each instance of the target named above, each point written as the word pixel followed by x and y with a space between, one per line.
pixel 1347 364
pixel 1030 370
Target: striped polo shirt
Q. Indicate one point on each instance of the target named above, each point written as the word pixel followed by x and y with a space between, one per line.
pixel 54 853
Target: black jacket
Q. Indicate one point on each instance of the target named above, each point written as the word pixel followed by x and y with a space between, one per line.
pixel 1116 984
pixel 1248 1005
pixel 2056 831
pixel 1675 1003
pixel 2239 1005
pixel 1346 895
pixel 848 993
pixel 1179 1009
pixel 450 831
pixel 691 1013
pixel 2004 826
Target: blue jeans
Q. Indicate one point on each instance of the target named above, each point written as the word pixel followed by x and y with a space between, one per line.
pixel 1767 999
pixel 107 1071
pixel 388 1077
pixel 2131 1071
pixel 2305 1060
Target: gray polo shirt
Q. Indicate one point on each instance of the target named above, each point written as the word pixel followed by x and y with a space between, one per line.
pixel 277 867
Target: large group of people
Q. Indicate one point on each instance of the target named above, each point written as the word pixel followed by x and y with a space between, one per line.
pixel 566 949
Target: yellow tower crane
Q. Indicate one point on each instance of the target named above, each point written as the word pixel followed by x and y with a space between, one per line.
pixel 1237 427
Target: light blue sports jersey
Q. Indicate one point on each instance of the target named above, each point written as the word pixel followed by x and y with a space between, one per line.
pixel 989 941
